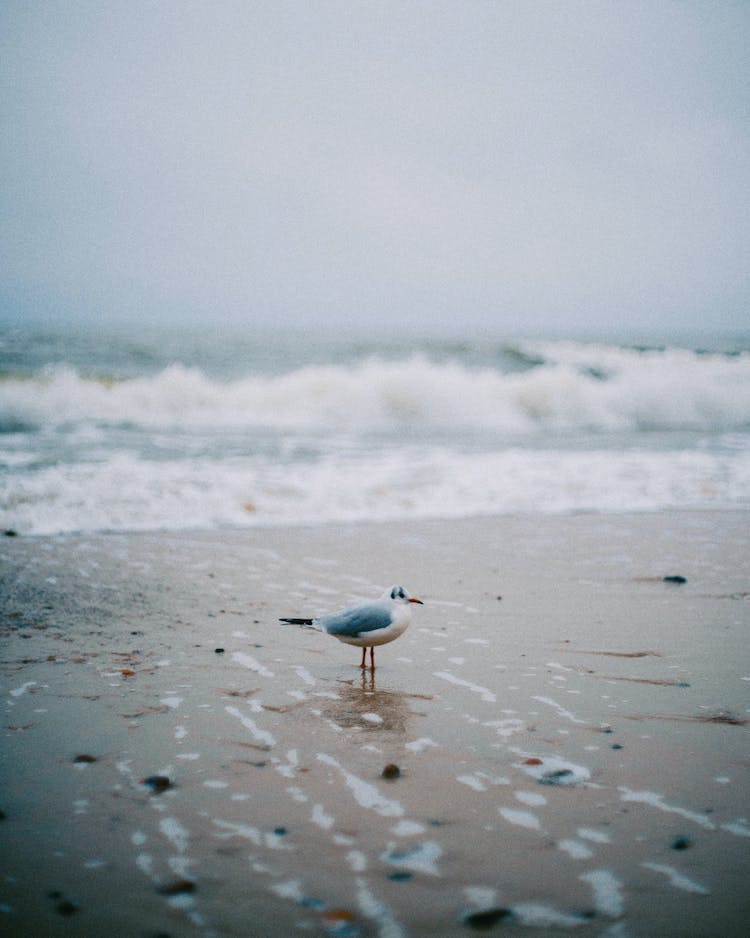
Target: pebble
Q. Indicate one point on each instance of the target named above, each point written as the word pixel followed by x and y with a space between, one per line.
pixel 555 777
pixel 178 887
pixel 64 906
pixel 157 783
pixel 488 918
pixel 681 843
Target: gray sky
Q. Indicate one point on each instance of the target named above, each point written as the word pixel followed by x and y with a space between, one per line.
pixel 513 166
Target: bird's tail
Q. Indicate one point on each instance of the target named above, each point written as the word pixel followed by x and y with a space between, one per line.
pixel 297 621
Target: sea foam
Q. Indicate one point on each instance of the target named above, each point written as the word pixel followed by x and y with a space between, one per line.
pixel 577 428
pixel 576 385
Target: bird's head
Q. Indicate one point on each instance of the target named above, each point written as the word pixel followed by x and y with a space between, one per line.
pixel 399 595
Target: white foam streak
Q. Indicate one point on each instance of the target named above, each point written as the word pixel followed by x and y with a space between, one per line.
pixel 245 831
pixel 484 692
pixel 373 908
pixel 247 661
pixel 677 879
pixel 607 890
pixel 365 794
pixel 559 708
pixel 265 738
pixel 520 818
pixel 655 800
pixel 175 833
pixel 575 850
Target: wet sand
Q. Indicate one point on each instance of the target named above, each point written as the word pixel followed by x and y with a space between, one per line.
pixel 570 732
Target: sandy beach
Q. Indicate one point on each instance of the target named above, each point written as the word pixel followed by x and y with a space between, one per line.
pixel 570 731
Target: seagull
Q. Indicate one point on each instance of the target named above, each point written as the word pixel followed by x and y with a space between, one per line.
pixel 368 625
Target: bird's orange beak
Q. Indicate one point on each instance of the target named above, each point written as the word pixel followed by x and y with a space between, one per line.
pixel 413 599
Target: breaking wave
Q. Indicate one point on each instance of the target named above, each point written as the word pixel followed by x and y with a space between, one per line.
pixel 571 387
pixel 538 428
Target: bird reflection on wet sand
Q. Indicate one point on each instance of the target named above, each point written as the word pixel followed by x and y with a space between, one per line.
pixel 361 705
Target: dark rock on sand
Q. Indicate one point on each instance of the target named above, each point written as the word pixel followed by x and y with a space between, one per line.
pixel 556 777
pixel 681 843
pixel 157 783
pixel 178 887
pixel 487 919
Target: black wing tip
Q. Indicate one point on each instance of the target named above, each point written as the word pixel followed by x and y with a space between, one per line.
pixel 297 621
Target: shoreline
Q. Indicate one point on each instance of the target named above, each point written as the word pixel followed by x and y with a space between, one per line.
pixel 570 730
pixel 400 521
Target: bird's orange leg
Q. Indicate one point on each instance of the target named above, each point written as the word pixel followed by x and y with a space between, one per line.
pixel 372 658
pixel 362 663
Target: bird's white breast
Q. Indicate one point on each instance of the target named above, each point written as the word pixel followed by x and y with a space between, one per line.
pixel 400 619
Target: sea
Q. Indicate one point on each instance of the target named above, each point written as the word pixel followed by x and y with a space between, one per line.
pixel 203 428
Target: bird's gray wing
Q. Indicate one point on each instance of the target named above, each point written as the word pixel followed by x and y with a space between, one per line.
pixel 357 621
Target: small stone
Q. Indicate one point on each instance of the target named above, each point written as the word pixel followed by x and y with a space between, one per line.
pixel 557 777
pixel 219 651
pixel 338 921
pixel 157 783
pixel 280 831
pixel 177 888
pixel 391 771
pixel 681 843
pixel 67 908
pixel 675 578
pixel 83 759
pixel 400 876
pixel 312 902
pixel 616 746
pixel 487 919
pixel 9 532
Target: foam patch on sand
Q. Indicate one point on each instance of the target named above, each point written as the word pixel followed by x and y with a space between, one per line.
pixel 677 879
pixel 607 890
pixel 263 736
pixel 655 800
pixel 365 794
pixel 484 692
pixel 552 770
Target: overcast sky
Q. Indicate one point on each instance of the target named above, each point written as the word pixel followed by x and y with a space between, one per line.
pixel 511 166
